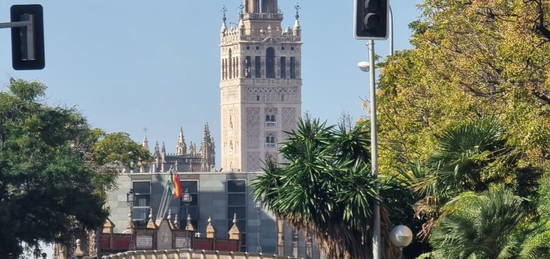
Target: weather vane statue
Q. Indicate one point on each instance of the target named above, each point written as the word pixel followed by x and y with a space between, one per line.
pixel 224 14
pixel 298 8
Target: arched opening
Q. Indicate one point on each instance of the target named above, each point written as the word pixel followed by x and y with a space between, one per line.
pixel 230 64
pixel 270 63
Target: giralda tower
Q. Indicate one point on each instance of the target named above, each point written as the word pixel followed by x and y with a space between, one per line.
pixel 260 85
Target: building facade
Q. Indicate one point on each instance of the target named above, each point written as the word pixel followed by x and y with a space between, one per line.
pixel 260 85
pixel 217 200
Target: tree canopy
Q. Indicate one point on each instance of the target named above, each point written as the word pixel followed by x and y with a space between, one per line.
pixel 54 169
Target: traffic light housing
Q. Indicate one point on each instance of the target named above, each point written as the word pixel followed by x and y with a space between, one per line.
pixel 371 19
pixel 27 42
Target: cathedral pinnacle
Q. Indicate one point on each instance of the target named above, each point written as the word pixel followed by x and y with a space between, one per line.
pixel 145 143
pixel 181 147
pixel 157 150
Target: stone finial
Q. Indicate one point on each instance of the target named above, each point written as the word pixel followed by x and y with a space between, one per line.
pixel 210 230
pixel 150 221
pixel 189 226
pixel 108 226
pixel 78 251
pixel 234 232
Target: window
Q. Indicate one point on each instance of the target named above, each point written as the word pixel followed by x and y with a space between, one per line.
pixel 142 202
pixel 230 65
pixel 270 140
pixel 283 67
pixel 270 120
pixel 191 208
pixel 258 66
pixel 293 67
pixel 236 205
pixel 248 67
pixel 270 63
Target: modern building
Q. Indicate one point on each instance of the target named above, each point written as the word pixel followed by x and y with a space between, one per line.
pixel 260 85
pixel 216 199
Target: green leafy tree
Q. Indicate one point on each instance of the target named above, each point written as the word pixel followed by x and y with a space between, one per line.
pixel 327 188
pixel 54 169
pixel 470 59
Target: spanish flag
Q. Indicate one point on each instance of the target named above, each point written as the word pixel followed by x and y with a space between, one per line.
pixel 176 181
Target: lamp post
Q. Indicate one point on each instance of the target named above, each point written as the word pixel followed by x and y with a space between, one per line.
pixel 258 206
pixel 401 236
pixel 187 199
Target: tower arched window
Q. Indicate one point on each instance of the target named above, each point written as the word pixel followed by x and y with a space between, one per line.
pixel 270 63
pixel 292 67
pixel 283 67
pixel 230 65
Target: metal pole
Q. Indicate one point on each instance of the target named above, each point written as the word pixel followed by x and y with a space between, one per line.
pixel 15 24
pixel 376 237
pixel 391 30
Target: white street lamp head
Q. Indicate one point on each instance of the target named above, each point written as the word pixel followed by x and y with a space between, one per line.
pixel 401 236
pixel 364 66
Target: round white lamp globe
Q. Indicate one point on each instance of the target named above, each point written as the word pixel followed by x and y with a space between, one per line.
pixel 401 236
pixel 364 66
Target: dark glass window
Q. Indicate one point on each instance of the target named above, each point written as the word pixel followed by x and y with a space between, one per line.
pixel 258 66
pixel 270 63
pixel 142 187
pixel 236 200
pixel 236 205
pixel 283 67
pixel 293 67
pixel 142 202
pixel 236 186
pixel 248 67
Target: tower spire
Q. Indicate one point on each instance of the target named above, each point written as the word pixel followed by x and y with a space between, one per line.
pixel 157 150
pixel 181 146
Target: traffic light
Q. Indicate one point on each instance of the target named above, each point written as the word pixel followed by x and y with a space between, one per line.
pixel 371 19
pixel 27 39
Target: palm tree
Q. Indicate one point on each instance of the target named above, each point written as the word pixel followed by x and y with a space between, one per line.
pixel 479 226
pixel 326 188
pixel 468 157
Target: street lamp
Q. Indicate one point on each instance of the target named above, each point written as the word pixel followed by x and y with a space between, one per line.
pixel 401 236
pixel 187 199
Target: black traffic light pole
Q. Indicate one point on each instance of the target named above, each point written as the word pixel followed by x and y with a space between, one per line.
pixel 371 23
pixel 27 37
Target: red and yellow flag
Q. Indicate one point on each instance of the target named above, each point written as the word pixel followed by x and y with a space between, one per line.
pixel 176 181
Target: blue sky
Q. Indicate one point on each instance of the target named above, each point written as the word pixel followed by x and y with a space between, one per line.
pixel 134 64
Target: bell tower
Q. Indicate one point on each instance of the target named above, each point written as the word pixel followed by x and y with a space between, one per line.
pixel 260 85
